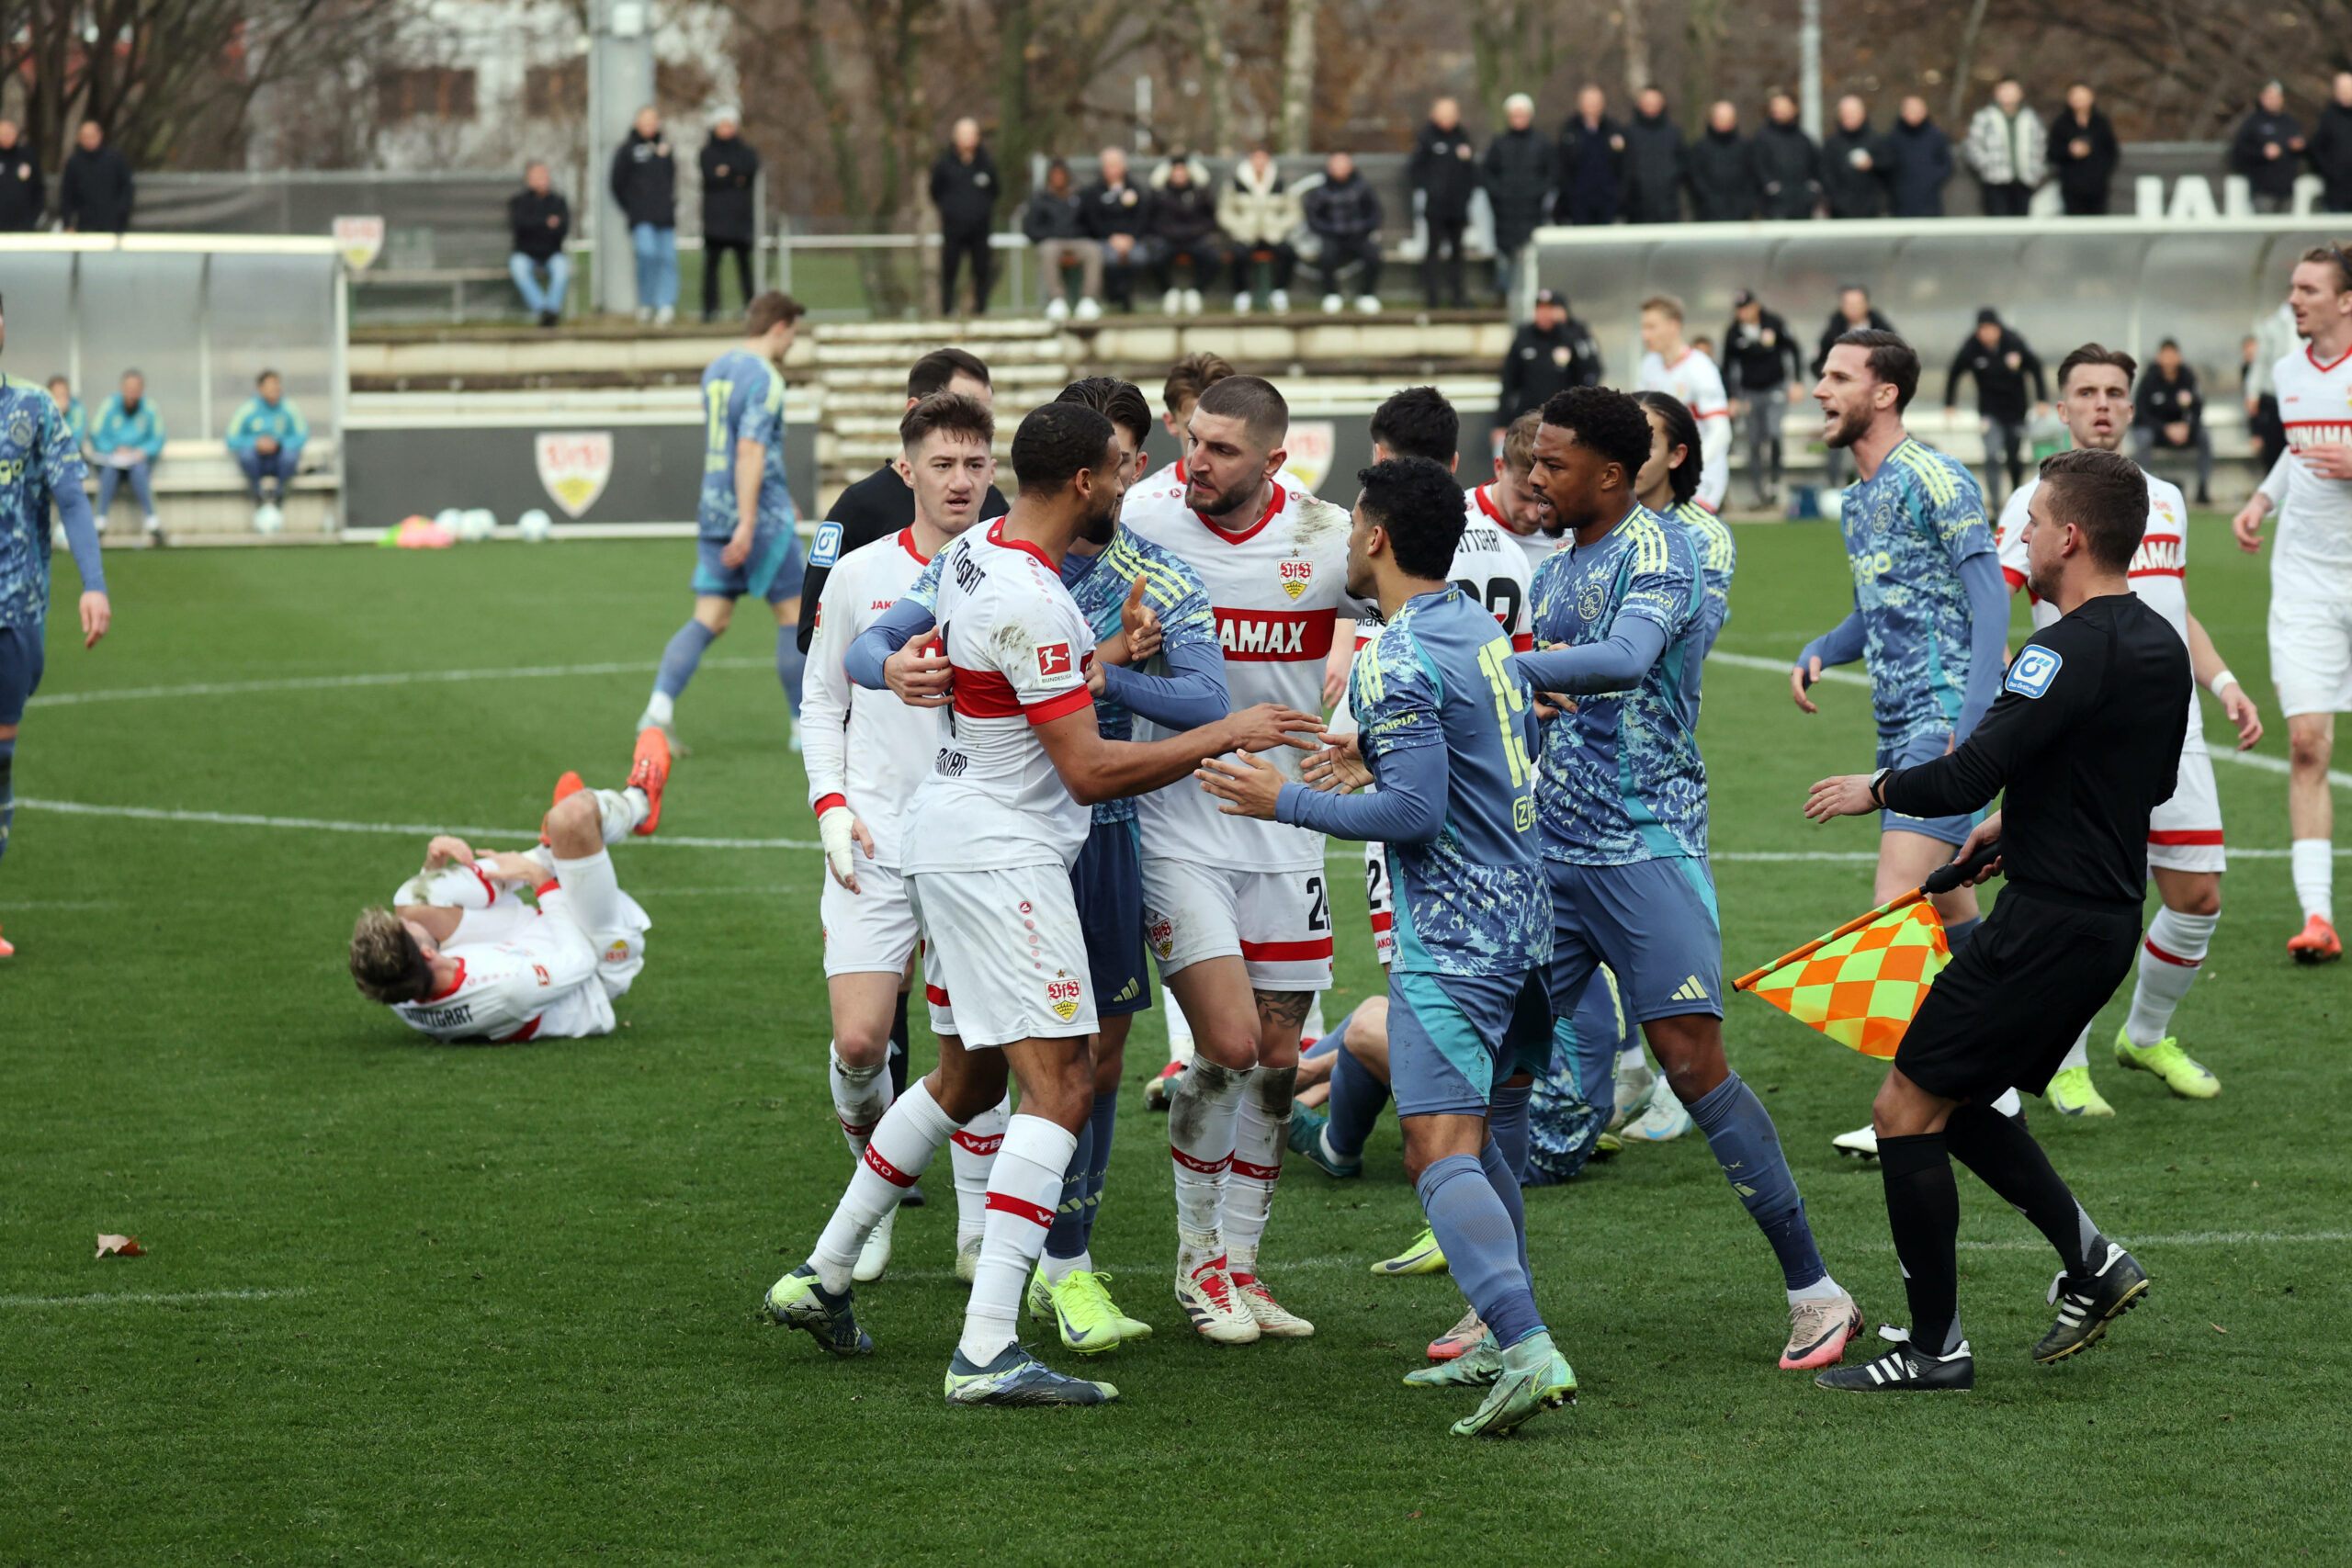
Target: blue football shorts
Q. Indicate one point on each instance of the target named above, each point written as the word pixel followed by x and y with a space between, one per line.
pixel 1652 922
pixel 772 571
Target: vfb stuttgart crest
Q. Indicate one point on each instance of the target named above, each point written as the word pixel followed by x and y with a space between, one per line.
pixel 1298 573
pixel 1160 932
pixel 1061 995
pixel 574 465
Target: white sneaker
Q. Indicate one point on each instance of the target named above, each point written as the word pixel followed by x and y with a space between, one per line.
pixel 1368 303
pixel 1861 1144
pixel 1058 309
pixel 875 1256
pixel 1172 302
pixel 1634 1088
pixel 664 316
pixel 967 1258
pixel 1278 301
pixel 1192 301
pixel 1333 305
pixel 1243 303
pixel 1090 309
pixel 1209 1299
pixel 1662 1121
pixel 1274 1320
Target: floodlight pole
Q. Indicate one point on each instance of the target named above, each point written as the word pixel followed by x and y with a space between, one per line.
pixel 1809 69
pixel 620 82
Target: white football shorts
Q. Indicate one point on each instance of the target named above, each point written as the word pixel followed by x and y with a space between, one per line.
pixel 869 931
pixel 2311 652
pixel 2185 832
pixel 1277 922
pixel 1004 957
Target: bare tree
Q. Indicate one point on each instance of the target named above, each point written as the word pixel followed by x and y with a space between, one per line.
pixel 1298 73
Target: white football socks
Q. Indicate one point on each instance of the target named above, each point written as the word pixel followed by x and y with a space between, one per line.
pixel 618 811
pixel 903 1142
pixel 1180 1029
pixel 1261 1131
pixel 859 1097
pixel 2010 1104
pixel 660 707
pixel 1022 1191
pixel 1314 1026
pixel 1203 1117
pixel 2078 1055
pixel 2170 963
pixel 595 892
pixel 973 1152
pixel 2314 864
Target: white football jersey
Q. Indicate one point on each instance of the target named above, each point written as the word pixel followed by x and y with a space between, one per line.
pixel 1018 647
pixel 540 981
pixel 2312 554
pixel 2157 567
pixel 865 749
pixel 1277 588
pixel 1695 381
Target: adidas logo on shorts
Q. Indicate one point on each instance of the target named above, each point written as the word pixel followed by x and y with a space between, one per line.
pixel 1129 991
pixel 1690 991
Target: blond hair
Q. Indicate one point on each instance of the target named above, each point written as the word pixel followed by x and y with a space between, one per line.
pixel 1519 442
pixel 386 962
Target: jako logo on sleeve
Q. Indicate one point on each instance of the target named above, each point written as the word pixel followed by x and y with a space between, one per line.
pixel 1053 658
pixel 827 546
pixel 2031 674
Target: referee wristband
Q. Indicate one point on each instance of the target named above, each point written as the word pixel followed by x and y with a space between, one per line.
pixel 1878 782
pixel 2223 679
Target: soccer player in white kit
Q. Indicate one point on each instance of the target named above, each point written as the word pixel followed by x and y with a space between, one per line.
pixel 1670 366
pixel 866 751
pixel 1510 503
pixel 1238 911
pixel 460 955
pixel 988 839
pixel 2185 854
pixel 2310 575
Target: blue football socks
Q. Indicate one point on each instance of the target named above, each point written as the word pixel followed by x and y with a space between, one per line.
pixel 1099 1124
pixel 1065 1237
pixel 680 658
pixel 790 664
pixel 1356 1099
pixel 8 790
pixel 1474 1227
pixel 1745 1144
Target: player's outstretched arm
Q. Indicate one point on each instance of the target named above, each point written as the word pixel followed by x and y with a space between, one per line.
pixel 1616 663
pixel 1408 809
pixel 1191 694
pixel 1094 770
pixel 879 660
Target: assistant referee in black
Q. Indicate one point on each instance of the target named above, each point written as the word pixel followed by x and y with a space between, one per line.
pixel 2086 740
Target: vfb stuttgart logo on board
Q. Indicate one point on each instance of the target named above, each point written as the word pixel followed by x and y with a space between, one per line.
pixel 1298 573
pixel 1061 995
pixel 574 465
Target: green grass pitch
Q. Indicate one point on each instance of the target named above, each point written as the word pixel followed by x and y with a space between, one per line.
pixel 413 1304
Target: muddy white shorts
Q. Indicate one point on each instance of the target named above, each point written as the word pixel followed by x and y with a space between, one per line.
pixel 1277 922
pixel 1004 957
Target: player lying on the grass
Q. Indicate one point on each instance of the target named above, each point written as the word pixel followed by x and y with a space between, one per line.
pixel 2185 854
pixel 866 751
pixel 40 461
pixel 459 956
pixel 991 837
pixel 1447 725
pixel 2082 746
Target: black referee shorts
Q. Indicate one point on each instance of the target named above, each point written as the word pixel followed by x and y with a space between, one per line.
pixel 2003 1014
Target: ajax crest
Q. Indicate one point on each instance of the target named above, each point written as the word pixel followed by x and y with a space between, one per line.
pixel 574 465
pixel 1062 995
pixel 1298 573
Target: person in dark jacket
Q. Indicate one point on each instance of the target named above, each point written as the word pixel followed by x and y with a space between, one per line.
pixel 1788 165
pixel 1592 163
pixel 1055 222
pixel 2083 152
pixel 645 186
pixel 1854 312
pixel 1762 367
pixel 1853 163
pixel 21 188
pixel 2268 151
pixel 1918 162
pixel 1653 162
pixel 540 221
pixel 1185 234
pixel 1520 171
pixel 728 168
pixel 1444 172
pixel 2167 412
pixel 2002 365
pixel 2331 147
pixel 1117 213
pixel 964 189
pixel 1343 214
pixel 1551 354
pixel 1720 168
pixel 94 190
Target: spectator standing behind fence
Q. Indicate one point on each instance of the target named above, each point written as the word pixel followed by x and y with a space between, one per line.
pixel 1918 162
pixel 1720 168
pixel 1054 223
pixel 645 186
pixel 2009 151
pixel 2331 147
pixel 1592 163
pixel 77 418
pixel 129 441
pixel 95 190
pixel 267 436
pixel 1853 163
pixel 1788 165
pixel 1549 354
pixel 1343 214
pixel 2268 149
pixel 1653 162
pixel 730 172
pixel 2084 153
pixel 2166 411
pixel 1257 210
pixel 1444 173
pixel 1520 169
pixel 540 221
pixel 964 187
pixel 2002 365
pixel 1762 367
pixel 1117 213
pixel 1854 313
pixel 1184 232
pixel 22 192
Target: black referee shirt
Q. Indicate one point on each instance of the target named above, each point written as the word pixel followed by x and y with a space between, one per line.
pixel 2086 738
pixel 874 508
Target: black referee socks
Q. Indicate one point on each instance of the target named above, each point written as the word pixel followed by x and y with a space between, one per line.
pixel 1923 1210
pixel 2007 1159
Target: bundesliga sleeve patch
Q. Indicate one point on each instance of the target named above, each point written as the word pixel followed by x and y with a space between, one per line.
pixel 2035 668
pixel 1053 658
pixel 827 546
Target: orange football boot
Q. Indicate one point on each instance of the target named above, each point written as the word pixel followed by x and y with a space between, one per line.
pixel 651 772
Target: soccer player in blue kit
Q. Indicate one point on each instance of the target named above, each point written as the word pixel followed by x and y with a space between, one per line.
pixel 1620 624
pixel 749 539
pixel 1445 732
pixel 40 461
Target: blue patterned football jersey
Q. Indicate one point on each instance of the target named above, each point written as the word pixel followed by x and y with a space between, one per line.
pixel 1907 529
pixel 1622 780
pixel 742 399
pixel 1473 900
pixel 38 459
pixel 1100 584
pixel 1718 558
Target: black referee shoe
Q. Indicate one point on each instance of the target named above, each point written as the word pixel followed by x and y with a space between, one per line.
pixel 1905 1369
pixel 2084 1309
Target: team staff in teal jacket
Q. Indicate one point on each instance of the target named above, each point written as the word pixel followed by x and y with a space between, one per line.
pixel 267 438
pixel 129 441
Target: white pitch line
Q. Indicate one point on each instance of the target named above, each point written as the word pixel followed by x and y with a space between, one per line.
pixel 400 678
pixel 2188 1238
pixel 164 1298
pixel 410 829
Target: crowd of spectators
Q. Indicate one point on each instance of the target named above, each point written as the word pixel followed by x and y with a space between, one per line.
pixel 95 190
pixel 122 447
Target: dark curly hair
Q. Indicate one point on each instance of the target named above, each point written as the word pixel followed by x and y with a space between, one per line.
pixel 1056 444
pixel 1418 423
pixel 1420 506
pixel 1682 431
pixel 1120 401
pixel 1611 422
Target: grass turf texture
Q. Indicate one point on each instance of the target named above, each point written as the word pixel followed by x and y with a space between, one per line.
pixel 421 1304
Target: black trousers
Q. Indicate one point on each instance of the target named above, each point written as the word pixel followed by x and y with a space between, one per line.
pixel 1278 258
pixel 1342 252
pixel 2006 200
pixel 954 245
pixel 1443 237
pixel 2003 447
pixel 714 252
